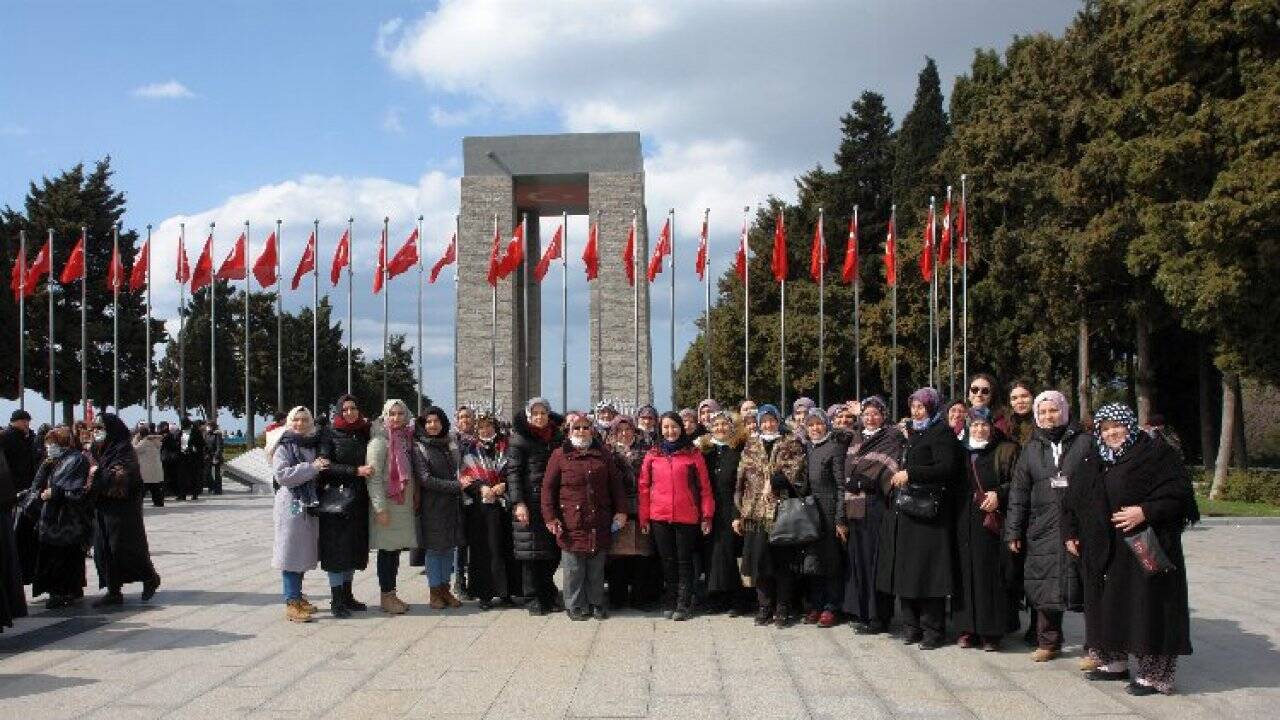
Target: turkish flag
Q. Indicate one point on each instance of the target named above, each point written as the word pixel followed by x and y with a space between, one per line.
pixel 233 267
pixel 72 271
pixel 203 274
pixel 18 277
pixel 740 261
pixel 926 250
pixel 183 270
pixel 891 253
pixel 629 256
pixel 308 262
pixel 700 262
pixel 591 253
pixel 495 261
pixel 264 268
pixel 553 252
pixel 944 248
pixel 661 250
pixel 515 252
pixel 115 271
pixel 450 255
pixel 818 253
pixel 849 272
pixel 341 257
pixel 138 274
pixel 406 257
pixel 779 261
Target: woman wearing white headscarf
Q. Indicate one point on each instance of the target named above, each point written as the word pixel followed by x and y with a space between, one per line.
pixel 1033 526
pixel 295 463
pixel 394 500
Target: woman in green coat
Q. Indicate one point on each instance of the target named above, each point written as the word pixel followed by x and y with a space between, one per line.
pixel 393 496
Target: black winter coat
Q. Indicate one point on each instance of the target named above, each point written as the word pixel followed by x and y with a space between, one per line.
pixel 824 470
pixel 724 546
pixel 917 556
pixel 440 520
pixel 20 452
pixel 986 599
pixel 527 457
pixel 1126 610
pixel 344 541
pixel 1051 577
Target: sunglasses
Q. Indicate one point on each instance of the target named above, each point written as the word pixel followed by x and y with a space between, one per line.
pixel 580 427
pixel 979 390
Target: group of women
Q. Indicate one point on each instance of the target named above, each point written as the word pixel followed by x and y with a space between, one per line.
pixel 957 511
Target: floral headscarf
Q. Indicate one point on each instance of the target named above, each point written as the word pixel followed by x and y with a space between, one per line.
pixel 1115 412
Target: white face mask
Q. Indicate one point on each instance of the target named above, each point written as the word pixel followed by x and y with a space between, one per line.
pixel 53 452
pixel 976 444
pixel 768 437
pixel 100 436
pixel 581 443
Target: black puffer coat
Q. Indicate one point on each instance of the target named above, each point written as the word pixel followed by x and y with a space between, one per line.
pixel 1126 610
pixel 440 520
pixel 344 541
pixel 527 457
pixel 1051 577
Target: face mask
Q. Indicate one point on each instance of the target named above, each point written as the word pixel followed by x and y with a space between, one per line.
pixel 975 444
pixel 768 437
pixel 100 436
pixel 490 438
pixel 581 443
pixel 53 452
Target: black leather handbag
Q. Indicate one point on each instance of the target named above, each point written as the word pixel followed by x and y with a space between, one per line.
pixel 922 502
pixel 339 500
pixel 797 522
pixel 1148 552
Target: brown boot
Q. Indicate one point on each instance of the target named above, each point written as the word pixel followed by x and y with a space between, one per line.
pixel 306 605
pixel 392 605
pixel 438 601
pixel 1043 654
pixel 295 612
pixel 447 595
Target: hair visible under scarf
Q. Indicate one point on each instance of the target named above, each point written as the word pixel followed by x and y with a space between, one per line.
pixel 1115 412
pixel 876 402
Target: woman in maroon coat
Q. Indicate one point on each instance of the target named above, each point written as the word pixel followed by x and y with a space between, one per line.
pixel 582 500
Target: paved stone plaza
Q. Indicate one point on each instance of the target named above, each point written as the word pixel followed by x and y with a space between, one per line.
pixel 213 643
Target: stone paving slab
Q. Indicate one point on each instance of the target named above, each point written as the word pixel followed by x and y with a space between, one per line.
pixel 213 644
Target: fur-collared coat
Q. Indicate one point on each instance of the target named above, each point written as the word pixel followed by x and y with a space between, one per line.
pixel 753 497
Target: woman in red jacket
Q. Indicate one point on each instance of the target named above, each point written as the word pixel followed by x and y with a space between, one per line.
pixel 675 499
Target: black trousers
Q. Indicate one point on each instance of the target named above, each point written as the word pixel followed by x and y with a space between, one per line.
pixel 215 479
pixel 927 616
pixel 1049 629
pixel 388 569
pixel 676 544
pixel 157 494
pixel 539 581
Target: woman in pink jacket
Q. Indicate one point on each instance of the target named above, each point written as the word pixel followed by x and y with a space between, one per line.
pixel 675 501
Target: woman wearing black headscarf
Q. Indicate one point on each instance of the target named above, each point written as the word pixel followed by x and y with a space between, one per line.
pixel 344 537
pixel 120 549
pixel 65 527
pixel 1130 484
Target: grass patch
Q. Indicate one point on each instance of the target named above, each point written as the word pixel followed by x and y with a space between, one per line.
pixel 1235 508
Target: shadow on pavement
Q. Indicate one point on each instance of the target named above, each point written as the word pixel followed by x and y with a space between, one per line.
pixel 1227 658
pixel 15 686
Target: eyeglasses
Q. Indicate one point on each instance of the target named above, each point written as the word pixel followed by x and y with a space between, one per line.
pixel 979 390
pixel 580 427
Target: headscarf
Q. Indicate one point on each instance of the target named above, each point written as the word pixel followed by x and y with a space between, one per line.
pixel 802 403
pixel 977 415
pixel 1056 398
pixel 340 420
pixel 878 403
pixel 710 404
pixel 928 397
pixel 667 447
pixel 536 401
pixel 648 410
pixel 768 409
pixel 688 414
pixel 1114 412
pixel 116 449
pixel 826 424
pixel 836 409
pixel 304 495
pixel 398 449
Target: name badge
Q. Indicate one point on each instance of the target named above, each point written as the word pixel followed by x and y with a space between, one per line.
pixel 1058 482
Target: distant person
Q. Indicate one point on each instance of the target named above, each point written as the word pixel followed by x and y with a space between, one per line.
pixel 394 497
pixel 18 446
pixel 147 446
pixel 871 461
pixel 440 524
pixel 214 446
pixel 170 456
pixel 534 434
pixel 192 442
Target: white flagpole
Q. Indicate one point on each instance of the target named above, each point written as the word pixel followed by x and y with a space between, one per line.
pixel 418 248
pixel 564 311
pixel 893 224
pixel 857 320
pixel 933 297
pixel 635 308
pixel 248 394
pixel 350 329
pixel 599 358
pixel 22 317
pixel 964 284
pixel 213 332
pixel 524 305
pixel 746 305
pixel 822 312
pixel 457 228
pixel 951 300
pixel 279 325
pixel 84 315
pixel 182 329
pixel 672 239
pixel 782 335
pixel 148 327
pixel 315 322
pixel 53 418
pixel 706 275
pixel 493 338
pixel 115 321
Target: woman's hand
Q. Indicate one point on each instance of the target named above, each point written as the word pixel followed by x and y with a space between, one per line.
pixel 499 489
pixel 644 528
pixel 320 463
pixel 899 479
pixel 620 519
pixel 555 528
pixel 45 494
pixel 842 532
pixel 382 517
pixel 990 503
pixel 522 514
pixel 1128 518
pixel 1073 547
pixel 706 527
pixel 364 471
pixel 737 527
pixel 465 481
pixel 1015 546
pixel 486 494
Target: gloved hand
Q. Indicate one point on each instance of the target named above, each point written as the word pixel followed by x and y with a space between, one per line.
pixel 779 483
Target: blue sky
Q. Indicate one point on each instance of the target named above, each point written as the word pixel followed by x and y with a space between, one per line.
pixel 240 110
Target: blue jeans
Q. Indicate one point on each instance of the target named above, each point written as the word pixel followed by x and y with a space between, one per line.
pixel 440 566
pixel 341 578
pixel 292 585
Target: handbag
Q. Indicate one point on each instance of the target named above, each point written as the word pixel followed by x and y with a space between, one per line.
pixel 992 521
pixel 921 502
pixel 1147 550
pixel 855 506
pixel 338 500
pixel 797 521
pixel 630 542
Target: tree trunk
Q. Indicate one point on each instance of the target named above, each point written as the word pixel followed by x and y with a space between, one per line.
pixel 1207 450
pixel 1229 402
pixel 1239 452
pixel 1145 388
pixel 1082 389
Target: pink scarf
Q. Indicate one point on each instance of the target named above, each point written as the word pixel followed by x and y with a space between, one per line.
pixel 397 473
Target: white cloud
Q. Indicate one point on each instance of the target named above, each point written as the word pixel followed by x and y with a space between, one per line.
pixel 14 130
pixel 392 121
pixel 171 90
pixel 443 117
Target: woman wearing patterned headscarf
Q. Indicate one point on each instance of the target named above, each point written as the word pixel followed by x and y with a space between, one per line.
pixel 492 571
pixel 120 549
pixel 295 465
pixel 394 500
pixel 1033 527
pixel 870 462
pixel 1130 484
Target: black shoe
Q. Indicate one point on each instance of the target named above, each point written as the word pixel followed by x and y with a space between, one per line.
pixel 911 638
pixel 599 612
pixel 536 608
pixel 783 617
pixel 667 614
pixel 1140 690
pixel 111 599
pixel 931 644
pixel 338 604
pixel 557 605
pixel 149 588
pixel 486 604
pixel 578 614
pixel 1100 675
pixel 1029 637
pixel 680 615
pixel 56 602
pixel 508 601
pixel 764 616
pixel 350 600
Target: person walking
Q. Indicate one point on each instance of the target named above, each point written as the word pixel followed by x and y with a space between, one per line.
pixel 1133 488
pixel 147 446
pixel 344 535
pixel 870 462
pixel 120 549
pixel 916 540
pixel 215 445
pixel 675 502
pixel 583 502
pixel 534 434
pixel 66 521
pixel 394 497
pixel 170 457
pixel 1033 527
pixel 193 458
pixel 18 447
pixel 440 521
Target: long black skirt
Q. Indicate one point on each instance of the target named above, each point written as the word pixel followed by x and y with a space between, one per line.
pixel 492 570
pixel 860 597
pixel 120 550
pixel 59 571
pixel 13 603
